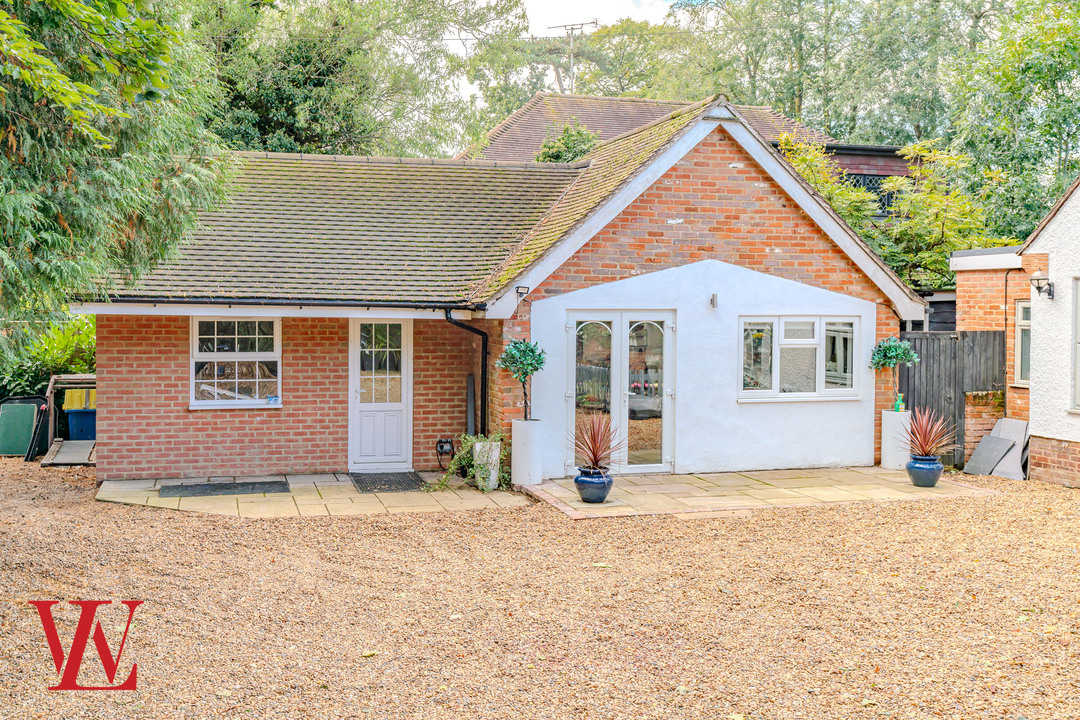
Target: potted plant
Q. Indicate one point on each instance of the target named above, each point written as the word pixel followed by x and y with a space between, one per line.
pixel 478 459
pixel 888 355
pixel 594 443
pixel 523 359
pixel 928 437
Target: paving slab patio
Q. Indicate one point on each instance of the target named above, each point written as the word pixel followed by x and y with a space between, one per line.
pixel 330 494
pixel 728 494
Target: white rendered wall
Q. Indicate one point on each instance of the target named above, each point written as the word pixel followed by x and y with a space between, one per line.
pixel 1052 329
pixel 713 430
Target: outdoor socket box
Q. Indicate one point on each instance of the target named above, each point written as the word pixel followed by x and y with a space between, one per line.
pixel 444 446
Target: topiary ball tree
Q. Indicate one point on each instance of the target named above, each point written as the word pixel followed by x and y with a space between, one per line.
pixel 522 359
pixel 889 354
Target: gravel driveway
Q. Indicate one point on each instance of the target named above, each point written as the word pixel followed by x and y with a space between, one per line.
pixel 963 608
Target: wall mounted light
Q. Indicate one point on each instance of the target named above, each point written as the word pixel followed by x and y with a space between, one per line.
pixel 522 290
pixel 1041 282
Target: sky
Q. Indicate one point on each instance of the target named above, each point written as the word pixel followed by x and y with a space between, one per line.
pixel 545 13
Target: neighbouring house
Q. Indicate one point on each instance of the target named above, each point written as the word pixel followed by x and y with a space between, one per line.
pixel 993 293
pixel 1053 315
pixel 682 277
pixel 519 136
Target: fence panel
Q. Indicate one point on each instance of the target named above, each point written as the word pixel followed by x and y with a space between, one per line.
pixel 951 364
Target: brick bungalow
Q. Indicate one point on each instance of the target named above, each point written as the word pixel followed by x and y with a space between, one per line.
pixel 681 277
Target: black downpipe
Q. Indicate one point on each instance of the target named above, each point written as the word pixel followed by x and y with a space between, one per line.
pixel 483 366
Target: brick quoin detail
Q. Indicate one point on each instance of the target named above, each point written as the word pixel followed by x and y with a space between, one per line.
pixel 1056 461
pixel 730 210
pixel 145 428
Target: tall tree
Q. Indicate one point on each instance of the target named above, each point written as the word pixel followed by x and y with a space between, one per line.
pixel 348 76
pixel 620 59
pixel 928 217
pixel 1018 113
pixel 104 160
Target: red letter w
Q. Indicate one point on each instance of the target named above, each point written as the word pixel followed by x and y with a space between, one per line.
pixel 69 677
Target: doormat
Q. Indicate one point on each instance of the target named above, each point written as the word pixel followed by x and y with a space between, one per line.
pixel 224 488
pixel 387 482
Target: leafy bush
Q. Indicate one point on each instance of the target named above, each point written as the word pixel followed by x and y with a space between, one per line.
pixel 890 353
pixel 573 143
pixel 66 347
pixel 463 465
pixel 522 359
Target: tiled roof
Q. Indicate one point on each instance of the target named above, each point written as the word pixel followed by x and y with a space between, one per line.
pixel 354 229
pixel 771 124
pixel 611 165
pixel 520 136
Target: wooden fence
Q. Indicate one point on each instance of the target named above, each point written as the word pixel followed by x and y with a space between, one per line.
pixel 952 364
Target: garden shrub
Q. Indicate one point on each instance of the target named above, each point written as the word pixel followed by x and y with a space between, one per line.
pixel 65 347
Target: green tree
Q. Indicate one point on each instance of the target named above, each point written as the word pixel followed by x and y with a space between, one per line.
pixel 522 359
pixel 377 77
pixel 95 189
pixel 507 72
pixel 620 59
pixel 930 216
pixel 1018 114
pixel 121 44
pixel 572 143
pixel 856 205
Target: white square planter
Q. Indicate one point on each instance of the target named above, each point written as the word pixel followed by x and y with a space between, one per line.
pixel 486 464
pixel 526 445
pixel 895 451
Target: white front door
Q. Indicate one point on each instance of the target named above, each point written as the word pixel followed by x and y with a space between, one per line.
pixel 624 365
pixel 380 392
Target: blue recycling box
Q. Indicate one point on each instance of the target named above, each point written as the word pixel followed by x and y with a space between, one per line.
pixel 82 424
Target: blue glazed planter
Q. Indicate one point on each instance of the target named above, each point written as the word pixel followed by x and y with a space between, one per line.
pixel 593 485
pixel 924 471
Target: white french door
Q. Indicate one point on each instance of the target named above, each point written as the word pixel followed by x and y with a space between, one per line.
pixel 623 364
pixel 380 395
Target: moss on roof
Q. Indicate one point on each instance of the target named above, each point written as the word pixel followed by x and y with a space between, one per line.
pixel 611 165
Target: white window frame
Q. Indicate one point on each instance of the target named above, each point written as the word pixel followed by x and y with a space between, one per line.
pixel 821 392
pixel 196 356
pixel 1019 326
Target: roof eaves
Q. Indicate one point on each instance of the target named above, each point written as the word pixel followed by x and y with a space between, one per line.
pixel 257 300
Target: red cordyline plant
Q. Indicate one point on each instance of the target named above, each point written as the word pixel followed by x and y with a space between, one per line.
pixel 595 441
pixel 928 435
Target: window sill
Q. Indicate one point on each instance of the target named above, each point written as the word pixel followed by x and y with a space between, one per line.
pixel 798 398
pixel 1021 385
pixel 233 406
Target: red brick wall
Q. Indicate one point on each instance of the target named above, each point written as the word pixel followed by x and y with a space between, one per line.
pixel 982 410
pixel 443 358
pixel 145 428
pixel 986 300
pixel 732 211
pixel 1055 461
